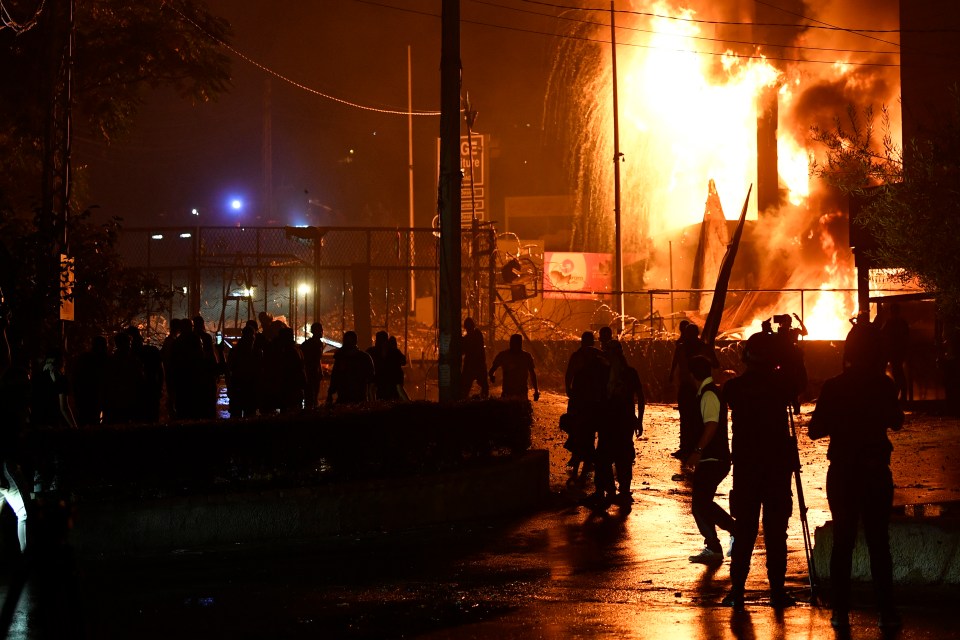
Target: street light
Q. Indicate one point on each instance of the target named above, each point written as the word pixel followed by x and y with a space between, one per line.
pixel 304 290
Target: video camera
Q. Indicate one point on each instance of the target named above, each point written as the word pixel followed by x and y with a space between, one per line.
pixel 783 318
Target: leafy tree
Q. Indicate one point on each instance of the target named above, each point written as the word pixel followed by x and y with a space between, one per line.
pixel 910 202
pixel 122 51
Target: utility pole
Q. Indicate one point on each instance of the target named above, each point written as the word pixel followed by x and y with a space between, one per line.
pixel 413 276
pixel 55 182
pixel 449 203
pixel 617 159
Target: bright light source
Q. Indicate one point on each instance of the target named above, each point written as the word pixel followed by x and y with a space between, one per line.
pixel 194 212
pixel 236 204
pixel 157 236
pixel 185 235
pixel 184 291
pixel 244 293
pixel 304 288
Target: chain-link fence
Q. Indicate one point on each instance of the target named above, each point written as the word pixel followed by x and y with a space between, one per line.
pixel 365 279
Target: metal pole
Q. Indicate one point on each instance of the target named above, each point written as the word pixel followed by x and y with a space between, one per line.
pixel 618 260
pixel 804 525
pixel 673 321
pixel 413 277
pixel 448 369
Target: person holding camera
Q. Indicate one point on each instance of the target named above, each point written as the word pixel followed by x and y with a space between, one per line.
pixel 789 356
pixel 764 456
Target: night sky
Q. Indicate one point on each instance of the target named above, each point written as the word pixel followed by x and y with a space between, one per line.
pixel 349 163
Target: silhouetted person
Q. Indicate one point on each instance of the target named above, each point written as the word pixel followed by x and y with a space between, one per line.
pixel 790 356
pixel 518 367
pixel 352 377
pixel 617 428
pixel 169 374
pixel 854 410
pixel 51 391
pixel 764 458
pixel 397 361
pixel 588 371
pixel 289 372
pixel 895 333
pixel 312 349
pixel 151 363
pixel 709 462
pixel 89 382
pixel 244 364
pixel 209 372
pixel 687 347
pixel 385 365
pixel 187 362
pixel 604 337
pixel 474 360
pixel 124 383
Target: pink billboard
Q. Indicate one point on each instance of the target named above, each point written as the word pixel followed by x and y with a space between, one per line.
pixel 576 276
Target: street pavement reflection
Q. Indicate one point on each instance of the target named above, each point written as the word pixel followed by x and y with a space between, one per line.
pixel 564 572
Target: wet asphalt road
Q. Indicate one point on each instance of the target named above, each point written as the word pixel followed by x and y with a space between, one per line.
pixel 565 572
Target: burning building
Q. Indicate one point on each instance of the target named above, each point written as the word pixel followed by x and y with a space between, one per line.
pixel 714 98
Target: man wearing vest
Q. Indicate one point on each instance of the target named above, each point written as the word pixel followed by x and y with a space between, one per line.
pixel 709 463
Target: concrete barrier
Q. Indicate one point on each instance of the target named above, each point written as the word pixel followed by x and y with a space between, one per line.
pixel 925 549
pixel 500 488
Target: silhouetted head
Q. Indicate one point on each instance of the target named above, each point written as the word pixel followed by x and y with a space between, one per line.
pixel 615 347
pixel 381 338
pixel 516 342
pixel 121 341
pixel 316 329
pixel 265 319
pixel 863 348
pixel 136 339
pixel 198 324
pixel 285 334
pixel 252 324
pixel 758 351
pixel 700 368
pixel 99 345
pixel 350 339
pixel 587 339
pixel 606 334
pixel 469 324
pixel 691 331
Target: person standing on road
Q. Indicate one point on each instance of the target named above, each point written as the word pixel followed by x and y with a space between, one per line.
pixel 312 349
pixel 764 456
pixel 854 410
pixel 474 360
pixel 622 422
pixel 709 463
pixel 586 384
pixel 517 366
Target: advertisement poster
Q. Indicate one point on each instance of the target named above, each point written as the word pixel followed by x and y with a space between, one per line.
pixel 576 276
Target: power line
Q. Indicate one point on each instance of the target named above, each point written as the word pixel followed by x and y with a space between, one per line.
pixel 631 44
pixel 721 40
pixel 826 24
pixel 736 23
pixel 292 82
